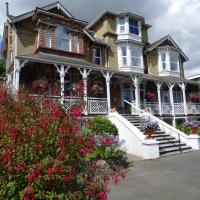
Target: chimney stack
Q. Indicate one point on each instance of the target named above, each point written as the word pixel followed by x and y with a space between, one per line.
pixel 7 9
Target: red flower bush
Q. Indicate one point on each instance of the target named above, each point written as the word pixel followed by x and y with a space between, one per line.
pixel 44 153
pixel 150 96
pixel 194 98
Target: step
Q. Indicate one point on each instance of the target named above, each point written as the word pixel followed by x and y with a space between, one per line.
pixel 176 152
pixel 160 135
pixel 171 145
pixel 167 141
pixel 174 149
pixel 166 138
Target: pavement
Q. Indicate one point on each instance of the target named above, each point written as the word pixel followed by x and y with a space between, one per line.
pixel 174 177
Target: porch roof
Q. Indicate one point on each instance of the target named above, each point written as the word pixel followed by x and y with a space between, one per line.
pixel 80 63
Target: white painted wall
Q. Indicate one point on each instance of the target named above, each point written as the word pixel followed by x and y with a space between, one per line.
pixel 135 142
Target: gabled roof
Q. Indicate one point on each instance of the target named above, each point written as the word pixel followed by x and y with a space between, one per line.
pixel 45 8
pixel 91 24
pixel 193 76
pixel 157 43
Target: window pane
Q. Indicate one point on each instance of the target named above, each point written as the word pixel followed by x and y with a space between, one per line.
pixel 135 52
pixel 96 56
pixel 123 51
pixel 164 65
pixel 136 62
pixel 124 61
pixel 163 56
pixel 121 20
pixel 122 29
pixel 62 38
pixel 76 42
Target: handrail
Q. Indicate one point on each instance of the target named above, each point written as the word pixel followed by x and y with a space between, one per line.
pixel 162 123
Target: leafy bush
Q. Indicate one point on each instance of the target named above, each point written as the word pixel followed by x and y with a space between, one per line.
pixel 44 154
pixel 100 125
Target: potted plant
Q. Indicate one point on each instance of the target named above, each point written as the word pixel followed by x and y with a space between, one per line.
pixel 149 127
pixel 193 126
pixel 150 96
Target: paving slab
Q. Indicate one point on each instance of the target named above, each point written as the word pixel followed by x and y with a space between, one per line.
pixel 174 177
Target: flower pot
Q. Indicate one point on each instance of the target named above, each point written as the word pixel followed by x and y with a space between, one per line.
pixel 149 132
pixel 193 130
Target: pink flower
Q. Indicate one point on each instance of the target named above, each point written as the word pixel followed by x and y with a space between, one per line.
pixel 57 113
pixel 14 133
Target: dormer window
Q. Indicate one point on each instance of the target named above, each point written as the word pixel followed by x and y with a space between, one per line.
pixel 96 55
pixel 168 61
pixel 62 38
pixel 133 27
pixel 121 24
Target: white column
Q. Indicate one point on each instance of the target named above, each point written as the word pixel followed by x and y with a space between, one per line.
pixel 62 71
pixel 129 56
pixel 16 74
pixel 122 95
pixel 171 85
pixel 85 72
pixel 136 81
pixel 159 84
pixel 107 75
pixel 183 88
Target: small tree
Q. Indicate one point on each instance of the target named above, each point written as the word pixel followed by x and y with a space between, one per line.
pixel 44 153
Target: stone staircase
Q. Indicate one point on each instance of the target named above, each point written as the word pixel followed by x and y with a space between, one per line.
pixel 168 145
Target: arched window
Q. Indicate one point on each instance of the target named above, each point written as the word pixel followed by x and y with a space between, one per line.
pixel 62 38
pixel 48 36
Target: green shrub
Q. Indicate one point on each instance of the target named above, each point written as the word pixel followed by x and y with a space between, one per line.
pixel 100 124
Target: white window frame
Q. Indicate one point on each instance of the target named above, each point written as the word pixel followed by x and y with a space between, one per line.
pixel 122 25
pixel 135 57
pixel 168 51
pixel 122 56
pixel 96 57
pixel 172 62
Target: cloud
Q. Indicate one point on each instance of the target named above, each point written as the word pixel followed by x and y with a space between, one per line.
pixel 179 18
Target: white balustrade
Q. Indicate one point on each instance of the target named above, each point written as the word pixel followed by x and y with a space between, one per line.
pixel 193 108
pixel 70 101
pixel 152 107
pixel 179 108
pixel 166 109
pixel 97 105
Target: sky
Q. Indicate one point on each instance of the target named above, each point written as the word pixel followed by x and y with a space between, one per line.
pixel 179 18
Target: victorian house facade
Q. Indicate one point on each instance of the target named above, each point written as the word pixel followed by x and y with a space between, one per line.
pixel 112 55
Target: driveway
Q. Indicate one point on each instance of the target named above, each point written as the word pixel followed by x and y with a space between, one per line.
pixel 169 178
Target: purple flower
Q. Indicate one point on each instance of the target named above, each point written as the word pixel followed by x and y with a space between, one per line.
pixel 192 124
pixel 149 124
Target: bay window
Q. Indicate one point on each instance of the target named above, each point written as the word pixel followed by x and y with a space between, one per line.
pixel 124 55
pixel 62 38
pixel 96 55
pixel 168 61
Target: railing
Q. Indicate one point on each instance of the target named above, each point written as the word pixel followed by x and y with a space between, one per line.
pixel 193 108
pixel 166 109
pixel 179 108
pixel 152 107
pixel 97 105
pixel 70 101
pixel 180 136
pixel 42 100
